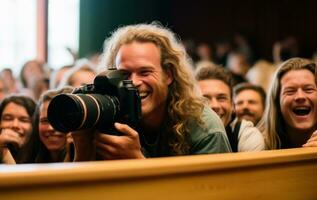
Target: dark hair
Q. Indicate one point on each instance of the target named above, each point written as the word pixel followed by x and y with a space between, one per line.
pixel 214 72
pixel 23 80
pixel 6 70
pixel 249 86
pixel 27 102
pixel 35 150
pixel 29 105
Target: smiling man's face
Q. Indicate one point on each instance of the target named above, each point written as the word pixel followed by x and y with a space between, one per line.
pixel 142 62
pixel 298 100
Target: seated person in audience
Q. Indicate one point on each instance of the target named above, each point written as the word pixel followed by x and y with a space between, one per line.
pixel 9 80
pixel 34 79
pixel 261 73
pixel 290 118
pixel 3 89
pixel 15 126
pixel 215 84
pixel 238 63
pixel 174 118
pixel 249 102
pixel 238 67
pixel 82 73
pixel 204 53
pixel 285 49
pixel 57 76
pixel 222 49
pixel 46 144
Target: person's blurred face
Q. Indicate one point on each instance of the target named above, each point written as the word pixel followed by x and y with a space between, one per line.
pixel 16 118
pixel 218 95
pixel 33 69
pixel 204 52
pixel 9 81
pixel 237 63
pixel 7 75
pixel 59 75
pixel 53 140
pixel 298 100
pixel 249 106
pixel 82 77
pixel 142 61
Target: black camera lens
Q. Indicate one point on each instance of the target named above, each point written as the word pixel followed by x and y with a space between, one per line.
pixel 110 98
pixel 70 112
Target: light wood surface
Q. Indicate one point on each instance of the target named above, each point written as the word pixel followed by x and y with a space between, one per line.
pixel 279 174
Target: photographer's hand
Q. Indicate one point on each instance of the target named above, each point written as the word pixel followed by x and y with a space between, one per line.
pixel 126 146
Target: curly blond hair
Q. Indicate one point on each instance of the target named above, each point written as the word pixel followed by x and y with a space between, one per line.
pixel 184 102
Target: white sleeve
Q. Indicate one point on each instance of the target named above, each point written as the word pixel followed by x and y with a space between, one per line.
pixel 250 138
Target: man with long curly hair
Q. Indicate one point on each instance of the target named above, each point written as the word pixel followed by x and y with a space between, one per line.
pixel 175 120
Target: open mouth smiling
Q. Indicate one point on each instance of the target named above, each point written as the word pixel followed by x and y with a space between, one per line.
pixel 143 95
pixel 302 111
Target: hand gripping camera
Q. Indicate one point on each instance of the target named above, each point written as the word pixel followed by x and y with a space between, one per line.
pixel 111 98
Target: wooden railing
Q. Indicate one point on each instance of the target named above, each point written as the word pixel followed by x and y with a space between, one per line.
pixel 279 174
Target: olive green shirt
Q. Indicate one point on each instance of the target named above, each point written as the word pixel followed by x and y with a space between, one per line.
pixel 207 139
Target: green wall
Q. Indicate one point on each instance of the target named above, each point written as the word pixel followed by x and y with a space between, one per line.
pixel 98 18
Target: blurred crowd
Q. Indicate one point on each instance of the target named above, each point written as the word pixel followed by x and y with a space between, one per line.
pixel 245 92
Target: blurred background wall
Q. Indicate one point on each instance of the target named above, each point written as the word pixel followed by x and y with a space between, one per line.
pixel 262 21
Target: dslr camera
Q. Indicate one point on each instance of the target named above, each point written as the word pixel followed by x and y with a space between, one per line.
pixel 111 98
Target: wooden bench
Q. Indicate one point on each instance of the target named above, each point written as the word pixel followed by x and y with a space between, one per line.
pixel 280 174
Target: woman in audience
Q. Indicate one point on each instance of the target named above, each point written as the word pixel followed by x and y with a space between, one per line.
pixel 290 119
pixel 204 53
pixel 15 126
pixel 9 80
pixel 34 79
pixel 46 144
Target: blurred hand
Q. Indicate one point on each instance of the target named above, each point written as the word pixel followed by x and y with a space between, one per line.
pixel 8 136
pixel 125 146
pixel 7 157
pixel 312 142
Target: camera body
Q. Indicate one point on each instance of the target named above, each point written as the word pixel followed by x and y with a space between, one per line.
pixel 111 98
